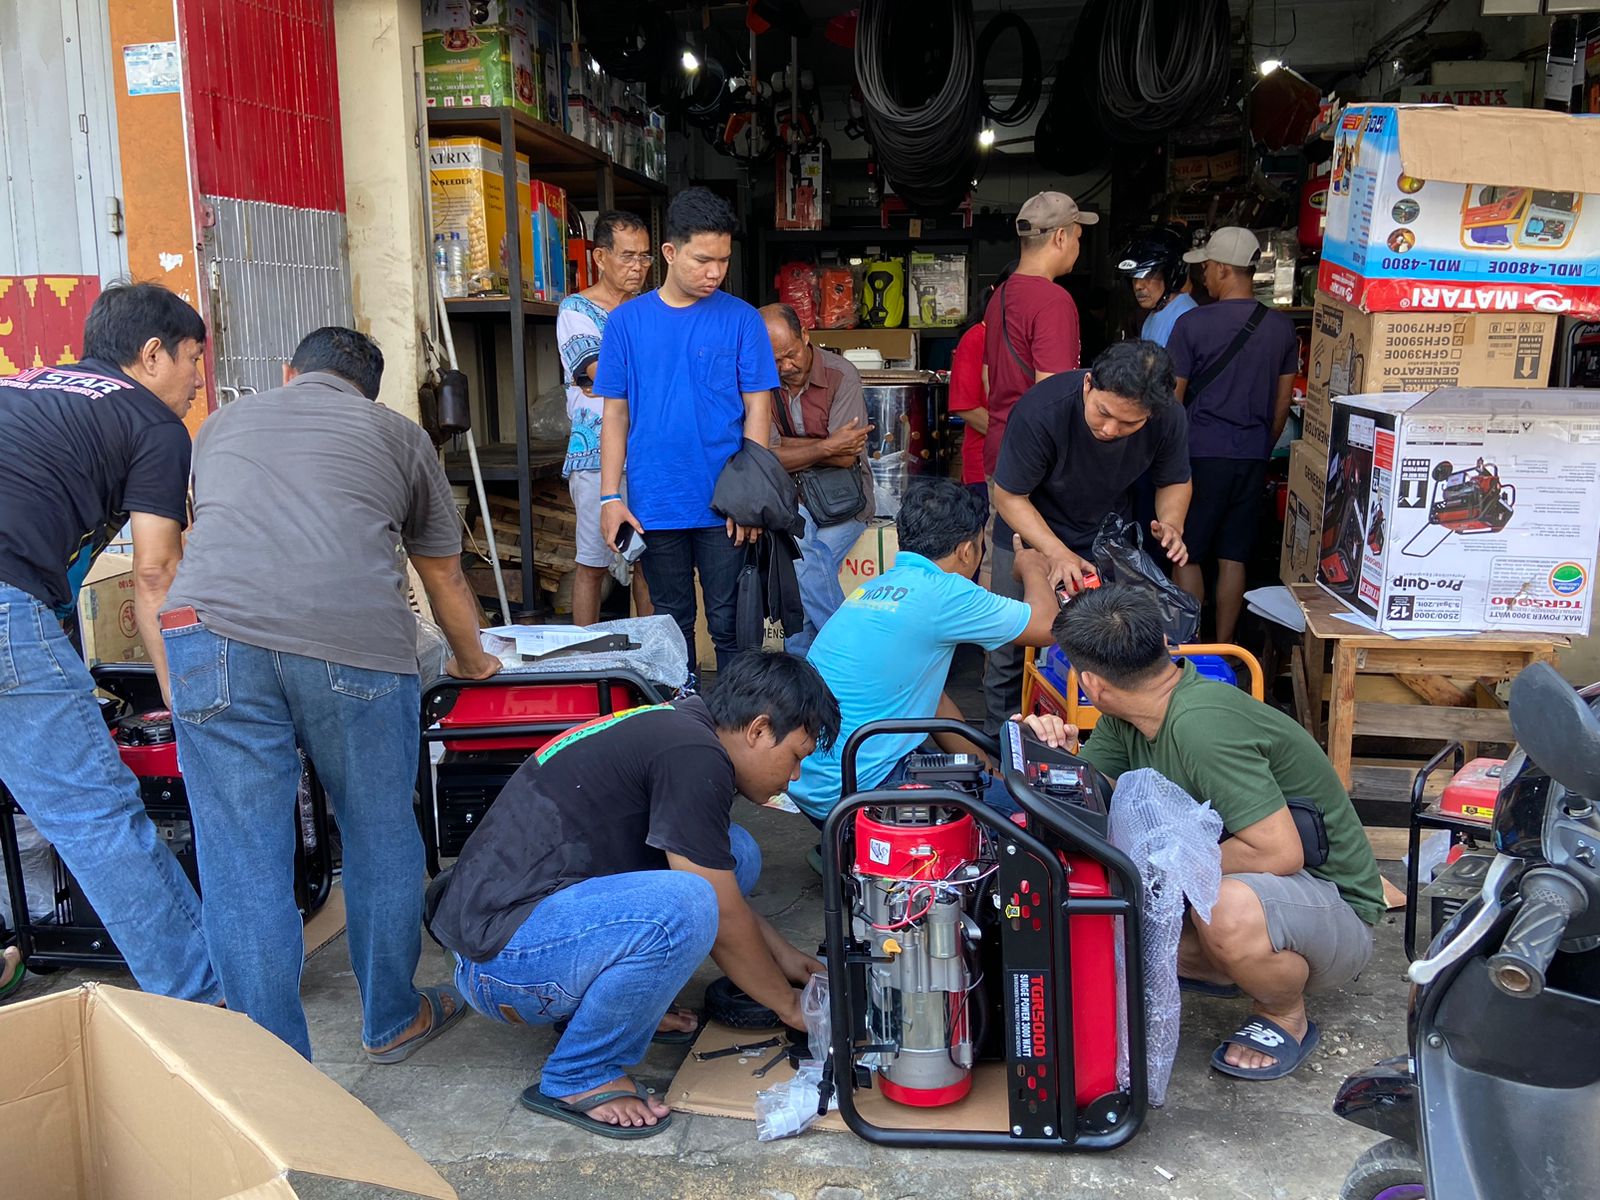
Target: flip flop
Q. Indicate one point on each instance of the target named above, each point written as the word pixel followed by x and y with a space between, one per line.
pixel 1203 987
pixel 662 1037
pixel 12 984
pixel 441 1022
pixel 1267 1036
pixel 577 1112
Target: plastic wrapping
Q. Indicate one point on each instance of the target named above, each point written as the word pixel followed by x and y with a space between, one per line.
pixel 38 874
pixel 1119 557
pixel 791 1106
pixel 837 309
pixel 1173 841
pixel 433 651
pixel 797 287
pixel 662 657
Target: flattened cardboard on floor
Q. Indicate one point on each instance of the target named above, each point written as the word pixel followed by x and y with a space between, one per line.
pixel 111 1094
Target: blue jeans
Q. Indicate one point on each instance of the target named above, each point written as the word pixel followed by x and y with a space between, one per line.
pixel 822 553
pixel 241 713
pixel 671 558
pixel 611 953
pixel 58 761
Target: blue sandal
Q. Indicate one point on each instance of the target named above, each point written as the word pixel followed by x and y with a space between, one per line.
pixel 1267 1036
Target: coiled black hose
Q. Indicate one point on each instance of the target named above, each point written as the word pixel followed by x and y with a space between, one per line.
pixel 927 143
pixel 1162 64
pixel 1031 85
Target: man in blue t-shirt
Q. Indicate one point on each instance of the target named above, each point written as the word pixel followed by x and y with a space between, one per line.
pixel 686 374
pixel 886 651
pixel 1154 267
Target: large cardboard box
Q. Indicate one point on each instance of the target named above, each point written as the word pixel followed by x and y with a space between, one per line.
pixel 1353 352
pixel 1302 519
pixel 468 197
pixel 1439 208
pixel 1465 509
pixel 871 556
pixel 114 1093
pixel 105 612
pixel 482 66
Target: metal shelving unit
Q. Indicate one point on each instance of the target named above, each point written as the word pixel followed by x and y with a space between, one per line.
pixel 590 177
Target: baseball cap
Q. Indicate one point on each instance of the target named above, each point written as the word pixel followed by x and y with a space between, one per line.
pixel 1052 210
pixel 1231 245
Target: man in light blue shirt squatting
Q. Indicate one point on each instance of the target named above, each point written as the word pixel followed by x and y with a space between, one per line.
pixel 686 376
pixel 1153 264
pixel 622 261
pixel 886 652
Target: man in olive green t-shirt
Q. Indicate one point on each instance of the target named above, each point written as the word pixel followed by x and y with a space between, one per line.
pixel 1280 928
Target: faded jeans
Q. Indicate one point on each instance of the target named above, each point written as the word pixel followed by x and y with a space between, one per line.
pixel 822 553
pixel 63 768
pixel 610 953
pixel 241 712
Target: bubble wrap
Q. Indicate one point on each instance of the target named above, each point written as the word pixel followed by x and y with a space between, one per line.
pixel 662 657
pixel 1172 840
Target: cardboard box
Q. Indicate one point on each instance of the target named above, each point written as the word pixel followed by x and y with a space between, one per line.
pixel 898 346
pixel 439 15
pixel 1464 210
pixel 483 66
pixel 871 556
pixel 116 1093
pixel 1353 352
pixel 1302 520
pixel 938 289
pixel 548 226
pixel 467 194
pixel 105 612
pixel 548 61
pixel 1465 509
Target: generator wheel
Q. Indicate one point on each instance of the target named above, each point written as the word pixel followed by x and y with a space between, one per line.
pixel 1388 1171
pixel 727 1005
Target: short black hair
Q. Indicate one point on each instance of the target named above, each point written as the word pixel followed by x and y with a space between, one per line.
pixel 785 689
pixel 608 222
pixel 1114 631
pixel 1136 370
pixel 127 315
pixel 937 515
pixel 352 356
pixel 787 314
pixel 698 210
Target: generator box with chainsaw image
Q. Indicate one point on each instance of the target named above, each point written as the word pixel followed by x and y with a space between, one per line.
pixel 1464 509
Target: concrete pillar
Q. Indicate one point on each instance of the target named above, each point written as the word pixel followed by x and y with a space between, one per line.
pixel 377 41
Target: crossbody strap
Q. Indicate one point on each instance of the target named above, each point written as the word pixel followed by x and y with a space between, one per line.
pixel 1005 331
pixel 1209 375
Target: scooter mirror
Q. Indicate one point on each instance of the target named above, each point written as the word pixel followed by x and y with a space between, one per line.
pixel 1556 729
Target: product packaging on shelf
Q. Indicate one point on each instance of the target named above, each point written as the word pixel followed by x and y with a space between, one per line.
pixel 883 293
pixel 467 195
pixel 937 293
pixel 481 66
pixel 548 221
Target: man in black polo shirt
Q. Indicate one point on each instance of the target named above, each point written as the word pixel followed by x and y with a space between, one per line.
pixel 84 450
pixel 1074 447
pixel 609 868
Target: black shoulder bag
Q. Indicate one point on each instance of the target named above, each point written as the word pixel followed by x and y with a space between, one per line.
pixel 1201 381
pixel 832 495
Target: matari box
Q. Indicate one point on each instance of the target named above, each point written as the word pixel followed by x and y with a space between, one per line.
pixel 1353 352
pixel 468 196
pixel 1464 209
pixel 1464 509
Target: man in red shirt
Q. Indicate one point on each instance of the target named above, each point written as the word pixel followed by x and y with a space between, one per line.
pixel 969 397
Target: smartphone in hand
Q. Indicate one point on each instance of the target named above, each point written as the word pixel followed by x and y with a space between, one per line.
pixel 630 542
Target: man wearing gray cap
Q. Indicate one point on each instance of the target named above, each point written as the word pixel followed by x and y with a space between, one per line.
pixel 1235 360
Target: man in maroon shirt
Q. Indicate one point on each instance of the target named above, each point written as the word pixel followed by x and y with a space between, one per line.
pixel 1031 324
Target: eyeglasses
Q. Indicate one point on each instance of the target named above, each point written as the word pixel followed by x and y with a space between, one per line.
pixel 632 260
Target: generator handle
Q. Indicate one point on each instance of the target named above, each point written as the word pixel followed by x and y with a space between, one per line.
pixel 1510 501
pixel 923 725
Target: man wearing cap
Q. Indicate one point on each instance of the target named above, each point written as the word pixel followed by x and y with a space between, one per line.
pixel 1235 360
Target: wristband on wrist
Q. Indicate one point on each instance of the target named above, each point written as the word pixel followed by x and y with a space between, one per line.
pixel 614 497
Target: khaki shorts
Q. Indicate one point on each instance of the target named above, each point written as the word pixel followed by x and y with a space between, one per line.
pixel 591 548
pixel 1309 916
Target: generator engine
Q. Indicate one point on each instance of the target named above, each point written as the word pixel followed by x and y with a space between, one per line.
pixel 919 870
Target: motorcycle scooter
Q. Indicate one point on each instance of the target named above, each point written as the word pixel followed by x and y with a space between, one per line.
pixel 1499 1097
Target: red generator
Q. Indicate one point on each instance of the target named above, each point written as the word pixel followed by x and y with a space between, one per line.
pixel 975 946
pixel 72 934
pixel 1464 810
pixel 484 729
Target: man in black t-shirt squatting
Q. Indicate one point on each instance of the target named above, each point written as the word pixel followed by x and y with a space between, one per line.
pixel 85 449
pixel 1074 447
pixel 609 868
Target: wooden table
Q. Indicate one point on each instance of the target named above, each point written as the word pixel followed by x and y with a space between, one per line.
pixel 1428 667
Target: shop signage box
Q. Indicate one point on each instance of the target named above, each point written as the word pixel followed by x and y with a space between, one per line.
pixel 482 66
pixel 468 198
pixel 1464 509
pixel 1302 519
pixel 1451 209
pixel 114 1093
pixel 1354 352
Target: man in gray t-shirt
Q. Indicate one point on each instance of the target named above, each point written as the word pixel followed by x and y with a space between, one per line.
pixel 287 629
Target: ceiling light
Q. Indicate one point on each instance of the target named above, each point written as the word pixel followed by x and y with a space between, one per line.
pixel 690 62
pixel 986 138
pixel 1268 65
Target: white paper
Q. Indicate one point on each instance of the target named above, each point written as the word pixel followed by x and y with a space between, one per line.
pixel 1277 604
pixel 541 639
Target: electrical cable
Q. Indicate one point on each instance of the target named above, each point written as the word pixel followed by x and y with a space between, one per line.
pixel 1160 66
pixel 926 142
pixel 1031 85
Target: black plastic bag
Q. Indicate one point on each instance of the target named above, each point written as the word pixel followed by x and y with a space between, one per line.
pixel 1119 557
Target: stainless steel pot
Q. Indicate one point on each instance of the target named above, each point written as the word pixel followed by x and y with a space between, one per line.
pixel 901 446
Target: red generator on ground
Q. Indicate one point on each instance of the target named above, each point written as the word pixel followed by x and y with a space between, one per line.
pixel 485 729
pixel 979 953
pixel 72 934
pixel 1464 810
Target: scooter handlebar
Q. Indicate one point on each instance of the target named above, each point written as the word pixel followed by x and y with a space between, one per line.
pixel 1549 902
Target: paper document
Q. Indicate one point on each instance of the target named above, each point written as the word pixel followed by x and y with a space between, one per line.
pixel 534 641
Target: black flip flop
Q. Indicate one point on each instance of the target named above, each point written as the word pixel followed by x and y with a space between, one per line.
pixel 661 1037
pixel 1267 1036
pixel 441 1022
pixel 577 1112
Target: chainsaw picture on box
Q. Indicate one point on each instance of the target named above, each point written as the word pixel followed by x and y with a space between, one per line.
pixel 1464 502
pixel 971 943
pixel 1344 528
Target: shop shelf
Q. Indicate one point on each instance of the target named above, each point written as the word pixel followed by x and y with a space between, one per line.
pixel 499 306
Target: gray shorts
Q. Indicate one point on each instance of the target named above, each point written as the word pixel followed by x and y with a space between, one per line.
pixel 1309 916
pixel 591 549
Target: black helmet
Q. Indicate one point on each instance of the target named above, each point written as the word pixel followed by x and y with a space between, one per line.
pixel 1156 251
